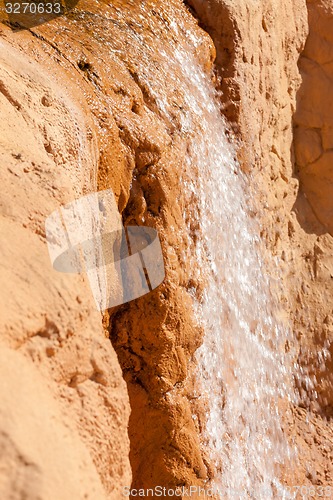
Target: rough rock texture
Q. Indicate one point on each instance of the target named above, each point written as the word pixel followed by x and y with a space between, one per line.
pixel 258 47
pixel 81 117
pixel 64 405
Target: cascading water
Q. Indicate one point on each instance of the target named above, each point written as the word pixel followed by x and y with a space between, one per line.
pixel 243 370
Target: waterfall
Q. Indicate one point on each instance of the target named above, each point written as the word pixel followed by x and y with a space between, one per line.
pixel 243 369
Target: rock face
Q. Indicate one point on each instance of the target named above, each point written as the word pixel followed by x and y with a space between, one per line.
pixel 313 118
pixel 313 299
pixel 65 408
pixel 78 94
pixel 79 115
